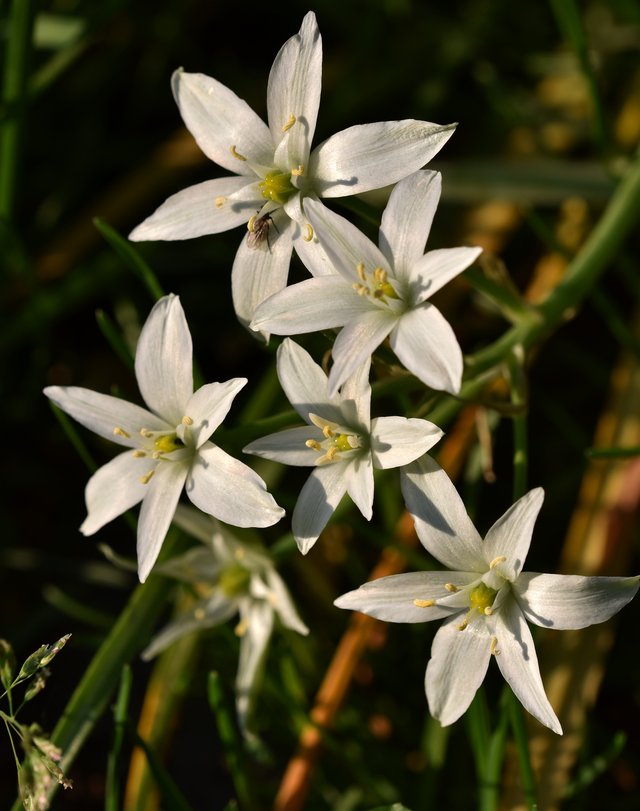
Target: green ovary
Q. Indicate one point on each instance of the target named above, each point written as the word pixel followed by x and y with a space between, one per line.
pixel 344 442
pixel 482 597
pixel 168 443
pixel 234 580
pixel 277 187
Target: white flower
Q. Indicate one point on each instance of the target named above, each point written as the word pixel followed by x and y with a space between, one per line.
pixel 170 442
pixel 484 597
pixel 378 292
pixel 274 167
pixel 341 441
pixel 230 578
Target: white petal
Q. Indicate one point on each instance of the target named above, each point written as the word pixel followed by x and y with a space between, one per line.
pixel 392 598
pixel 158 508
pixel 164 360
pixel 102 413
pixel 193 212
pixel 113 489
pixel 288 446
pixel 294 89
pixel 195 523
pixel 369 156
pixel 259 272
pixel 407 219
pixel 436 268
pixel 396 441
pixel 360 484
pixel 318 499
pixel 511 534
pixel 355 394
pixel 518 664
pixel 305 383
pixel 282 603
pixel 441 520
pixel 569 601
pixel 428 347
pixel 208 407
pixel 219 120
pixel 309 306
pixel 197 565
pixel 345 245
pixel 310 250
pixel 206 613
pixel 458 665
pixel 357 341
pixel 228 489
pixel 258 622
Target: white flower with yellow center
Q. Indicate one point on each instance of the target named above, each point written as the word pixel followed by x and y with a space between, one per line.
pixel 170 442
pixel 484 597
pixel 230 577
pixel 378 292
pixel 274 168
pixel 341 441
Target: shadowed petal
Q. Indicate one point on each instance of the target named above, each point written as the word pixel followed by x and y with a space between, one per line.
pixel 208 407
pixel 288 446
pixel 113 489
pixel 305 383
pixel 436 268
pixel 511 534
pixel 360 484
pixel 257 624
pixel 318 499
pixel 357 341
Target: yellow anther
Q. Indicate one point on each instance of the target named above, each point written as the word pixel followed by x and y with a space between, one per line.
pixel 494 646
pixel 241 628
pixel 156 455
pixel 139 454
pixel 424 603
pixel 199 614
pixel 289 123
pixel 220 201
pixel 463 624
pixel 361 271
pixel 451 588
pixel 236 154
pixel 118 431
pixel 240 554
pixel 147 477
pixel 327 431
pixel 187 420
pixel 308 235
pixel 330 454
pixel 251 223
pixel 313 444
pixel 488 611
pixel 360 289
pixel 146 433
pixel 298 171
pixel 496 561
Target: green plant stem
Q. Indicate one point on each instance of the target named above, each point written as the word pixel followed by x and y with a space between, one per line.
pixel 120 712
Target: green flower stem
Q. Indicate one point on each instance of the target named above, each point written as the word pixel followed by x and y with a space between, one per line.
pixel 490 786
pixel 120 712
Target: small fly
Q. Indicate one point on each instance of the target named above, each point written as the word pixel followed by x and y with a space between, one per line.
pixel 259 230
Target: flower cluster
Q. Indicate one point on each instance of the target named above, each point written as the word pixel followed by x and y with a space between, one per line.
pixel 371 293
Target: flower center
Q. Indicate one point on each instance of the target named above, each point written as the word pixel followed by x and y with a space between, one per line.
pixel 168 443
pixel 277 187
pixel 337 441
pixel 234 580
pixel 374 284
pixel 481 598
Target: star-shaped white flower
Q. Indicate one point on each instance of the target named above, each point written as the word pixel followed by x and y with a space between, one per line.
pixel 378 292
pixel 484 597
pixel 230 577
pixel 170 442
pixel 274 167
pixel 340 441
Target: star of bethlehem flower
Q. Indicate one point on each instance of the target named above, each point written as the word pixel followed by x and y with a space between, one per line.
pixel 483 596
pixel 274 168
pixel 340 441
pixel 169 445
pixel 378 292
pixel 229 577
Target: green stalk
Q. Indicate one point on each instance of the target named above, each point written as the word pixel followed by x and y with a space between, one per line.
pixel 113 788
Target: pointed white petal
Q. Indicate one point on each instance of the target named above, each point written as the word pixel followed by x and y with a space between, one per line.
pixel 206 613
pixel 309 306
pixel 436 268
pixel 305 383
pixel 518 664
pixel 228 489
pixel 158 508
pixel 102 413
pixel 164 360
pixel 369 156
pixel 208 407
pixel 294 90
pixel 288 446
pixel 193 212
pixel 355 394
pixel 396 441
pixel 407 219
pixel 260 271
pixel 569 601
pixel 219 120
pixel 510 536
pixel 318 499
pixel 392 598
pixel 357 341
pixel 113 489
pixel 257 620
pixel 345 245
pixel 283 604
pixel 428 347
pixel 441 520
pixel 360 484
pixel 458 665
pixel 309 248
